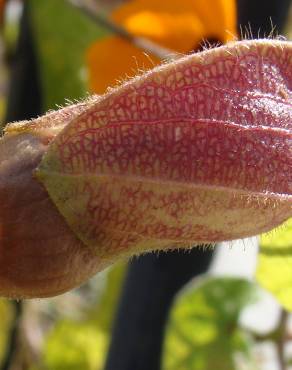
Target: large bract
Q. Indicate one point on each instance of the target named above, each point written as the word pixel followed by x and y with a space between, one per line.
pixel 194 151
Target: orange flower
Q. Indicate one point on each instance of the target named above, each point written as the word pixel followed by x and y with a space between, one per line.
pixel 179 25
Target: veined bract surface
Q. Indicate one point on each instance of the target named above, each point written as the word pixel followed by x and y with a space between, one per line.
pixel 198 150
pixel 194 151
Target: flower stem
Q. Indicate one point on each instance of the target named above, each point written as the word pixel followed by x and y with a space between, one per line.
pixel 142 43
pixel 280 343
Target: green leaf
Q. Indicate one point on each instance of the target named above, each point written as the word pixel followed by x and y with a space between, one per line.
pixel 274 271
pixel 83 344
pixel 6 314
pixel 202 332
pixel 104 313
pixel 62 35
pixel 74 346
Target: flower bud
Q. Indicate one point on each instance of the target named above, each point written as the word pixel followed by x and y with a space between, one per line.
pixel 194 151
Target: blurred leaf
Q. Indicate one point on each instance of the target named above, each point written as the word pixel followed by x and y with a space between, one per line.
pixel 83 344
pixel 274 271
pixel 75 346
pixel 62 34
pixel 6 314
pixel 103 314
pixel 202 332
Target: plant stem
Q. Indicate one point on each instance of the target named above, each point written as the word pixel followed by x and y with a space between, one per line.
pixel 142 43
pixel 13 337
pixel 280 343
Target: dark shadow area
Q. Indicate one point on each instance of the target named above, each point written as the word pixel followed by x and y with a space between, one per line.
pixel 260 16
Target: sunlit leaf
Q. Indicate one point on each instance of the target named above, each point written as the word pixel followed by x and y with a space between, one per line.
pixel 6 315
pixel 75 346
pixel 274 270
pixel 103 314
pixel 83 344
pixel 203 332
pixel 62 35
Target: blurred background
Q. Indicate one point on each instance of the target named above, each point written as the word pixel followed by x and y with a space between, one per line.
pixel 222 308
